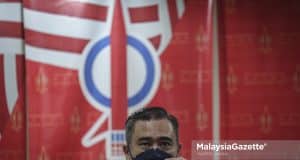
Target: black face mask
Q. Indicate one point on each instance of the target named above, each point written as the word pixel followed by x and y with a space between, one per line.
pixel 152 154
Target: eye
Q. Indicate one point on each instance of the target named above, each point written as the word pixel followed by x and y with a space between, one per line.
pixel 144 144
pixel 165 144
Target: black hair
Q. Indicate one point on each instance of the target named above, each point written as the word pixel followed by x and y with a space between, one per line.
pixel 147 114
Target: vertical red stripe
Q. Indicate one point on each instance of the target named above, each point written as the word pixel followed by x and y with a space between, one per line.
pixel 20 71
pixel 118 62
pixel 173 12
pixel 4 115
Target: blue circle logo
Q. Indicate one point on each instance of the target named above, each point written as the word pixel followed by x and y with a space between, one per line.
pixel 141 93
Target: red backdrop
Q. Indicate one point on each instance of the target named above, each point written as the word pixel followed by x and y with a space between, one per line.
pixel 12 80
pixel 258 59
pixel 260 69
pixel 60 114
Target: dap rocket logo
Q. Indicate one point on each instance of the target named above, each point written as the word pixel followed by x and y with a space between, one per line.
pixel 119 69
pixel 140 30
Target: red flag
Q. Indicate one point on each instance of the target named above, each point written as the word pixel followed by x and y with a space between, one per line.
pixel 87 71
pixel 12 82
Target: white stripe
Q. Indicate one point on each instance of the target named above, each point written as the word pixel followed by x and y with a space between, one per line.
pixel 216 81
pixel 91 137
pixel 139 3
pixel 10 78
pixel 62 25
pixel 11 46
pixel 145 29
pixel 96 2
pixel 52 57
pixel 10 12
pixel 180 7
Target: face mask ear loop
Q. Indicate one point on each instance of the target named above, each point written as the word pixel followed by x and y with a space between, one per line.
pixel 178 150
pixel 129 151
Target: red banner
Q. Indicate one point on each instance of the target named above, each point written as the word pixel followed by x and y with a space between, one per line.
pixel 85 65
pixel 12 82
pixel 260 69
pixel 89 64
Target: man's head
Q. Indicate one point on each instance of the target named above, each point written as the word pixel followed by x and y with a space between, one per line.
pixel 151 128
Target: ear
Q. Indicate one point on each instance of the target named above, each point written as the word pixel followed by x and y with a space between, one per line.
pixel 125 149
pixel 179 148
pixel 126 152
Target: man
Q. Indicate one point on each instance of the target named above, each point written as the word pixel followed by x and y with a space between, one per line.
pixel 152 134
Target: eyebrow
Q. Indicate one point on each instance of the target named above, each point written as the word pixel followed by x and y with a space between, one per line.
pixel 159 138
pixel 165 138
pixel 145 139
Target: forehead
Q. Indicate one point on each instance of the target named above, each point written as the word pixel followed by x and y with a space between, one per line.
pixel 153 129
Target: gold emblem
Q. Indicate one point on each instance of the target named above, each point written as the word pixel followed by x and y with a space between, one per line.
pixel 230 6
pixel 201 40
pixel 296 79
pixel 202 118
pixel 232 81
pixel 167 77
pixel 17 120
pixel 75 121
pixel 266 121
pixel 41 81
pixel 239 120
pixel 66 78
pixel 265 41
pixel 291 119
pixel 43 155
